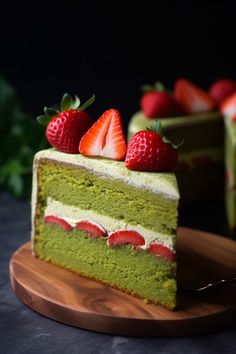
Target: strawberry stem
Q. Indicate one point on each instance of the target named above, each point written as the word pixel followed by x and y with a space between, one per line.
pixel 174 146
pixel 43 119
pixel 51 112
pixel 67 103
pixel 157 128
pixel 158 87
pixel 87 103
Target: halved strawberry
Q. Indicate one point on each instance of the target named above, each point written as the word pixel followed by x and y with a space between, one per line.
pixel 228 107
pixel 52 219
pixel 161 251
pixel 123 237
pixel 92 228
pixel 192 98
pixel 105 137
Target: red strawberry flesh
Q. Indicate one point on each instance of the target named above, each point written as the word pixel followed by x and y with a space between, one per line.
pixel 92 228
pixel 52 219
pixel 161 251
pixel 105 138
pixel 123 237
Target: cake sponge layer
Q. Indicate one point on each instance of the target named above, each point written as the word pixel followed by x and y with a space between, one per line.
pixel 134 271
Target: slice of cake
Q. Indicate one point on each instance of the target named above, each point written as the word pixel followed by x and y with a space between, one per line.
pixel 97 216
pixel 200 160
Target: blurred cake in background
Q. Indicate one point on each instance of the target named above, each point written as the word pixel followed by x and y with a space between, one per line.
pixel 191 114
pixel 228 109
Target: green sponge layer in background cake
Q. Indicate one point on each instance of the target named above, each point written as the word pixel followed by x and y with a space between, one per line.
pixel 230 171
pixel 200 170
pixel 108 188
pixel 137 272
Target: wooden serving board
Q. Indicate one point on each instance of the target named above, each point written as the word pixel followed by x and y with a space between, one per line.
pixel 66 297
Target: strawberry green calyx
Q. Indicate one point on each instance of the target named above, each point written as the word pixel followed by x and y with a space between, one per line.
pixel 157 128
pixel 158 87
pixel 67 103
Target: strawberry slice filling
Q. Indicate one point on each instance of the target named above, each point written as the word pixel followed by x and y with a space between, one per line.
pixel 123 237
pixel 161 251
pixel 92 228
pixel 59 221
pixel 117 238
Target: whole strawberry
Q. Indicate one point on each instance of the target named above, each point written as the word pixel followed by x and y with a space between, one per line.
pixel 149 151
pixel 66 127
pixel 158 103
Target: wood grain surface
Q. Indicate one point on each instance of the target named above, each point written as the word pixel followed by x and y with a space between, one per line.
pixel 66 297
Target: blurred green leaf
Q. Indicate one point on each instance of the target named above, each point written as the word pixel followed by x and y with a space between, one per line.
pixel 16 185
pixel 20 138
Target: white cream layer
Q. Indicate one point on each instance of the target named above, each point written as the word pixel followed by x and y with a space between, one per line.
pixel 73 214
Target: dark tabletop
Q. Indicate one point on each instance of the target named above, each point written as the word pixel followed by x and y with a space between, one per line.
pixel 25 331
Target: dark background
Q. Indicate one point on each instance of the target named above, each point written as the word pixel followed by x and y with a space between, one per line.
pixel 110 49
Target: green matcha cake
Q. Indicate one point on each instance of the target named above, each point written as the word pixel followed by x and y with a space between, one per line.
pixel 82 205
